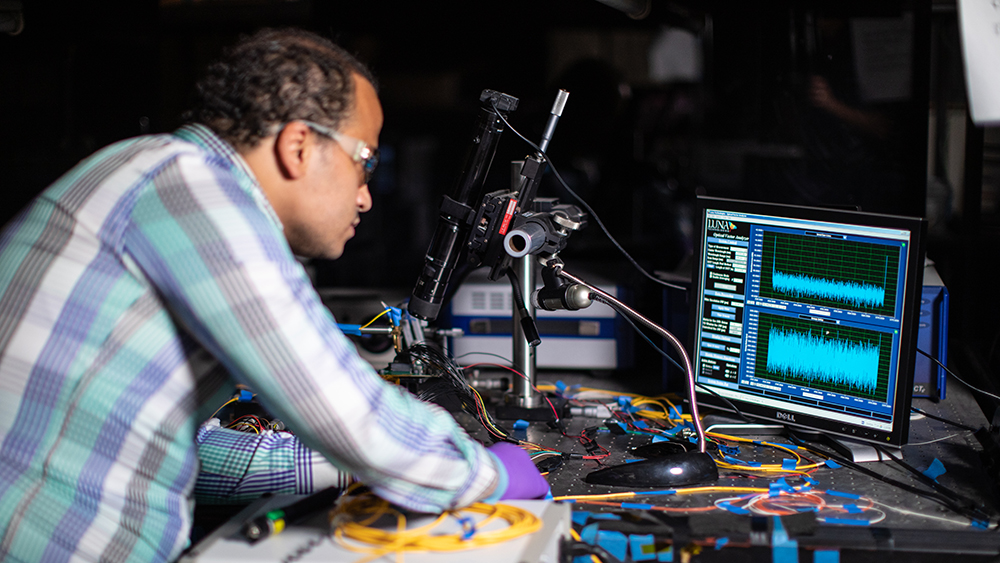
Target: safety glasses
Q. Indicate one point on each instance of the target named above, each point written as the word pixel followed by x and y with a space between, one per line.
pixel 358 150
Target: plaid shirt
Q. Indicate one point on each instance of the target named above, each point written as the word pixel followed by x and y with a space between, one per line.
pixel 134 293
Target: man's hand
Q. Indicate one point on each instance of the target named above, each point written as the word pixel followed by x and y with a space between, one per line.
pixel 524 480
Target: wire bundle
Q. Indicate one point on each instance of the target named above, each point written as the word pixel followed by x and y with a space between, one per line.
pixel 353 527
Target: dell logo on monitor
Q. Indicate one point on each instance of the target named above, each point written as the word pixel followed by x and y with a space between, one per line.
pixel 785 416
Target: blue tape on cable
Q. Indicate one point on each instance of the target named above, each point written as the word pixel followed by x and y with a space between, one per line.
pixel 350 329
pixel 395 315
pixel 981 524
pixel 615 542
pixel 721 543
pixel 673 431
pixel 826 556
pixel 642 547
pixel 661 492
pixel 788 464
pixel 245 396
pixel 734 460
pixel 846 521
pixel 658 438
pixel 936 469
pixel 640 424
pixel 676 412
pixel 783 548
pixel 780 486
pixel 733 509
pixel 810 480
pixel 560 387
pixel 853 509
pixel 832 464
pixel 468 527
pixel 623 401
pixel 842 494
pixel 520 424
pixel 731 450
pixel 665 555
pixel 637 505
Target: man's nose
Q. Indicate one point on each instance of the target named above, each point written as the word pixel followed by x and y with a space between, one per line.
pixel 364 199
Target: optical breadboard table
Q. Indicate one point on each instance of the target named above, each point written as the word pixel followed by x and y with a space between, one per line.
pixel 914 528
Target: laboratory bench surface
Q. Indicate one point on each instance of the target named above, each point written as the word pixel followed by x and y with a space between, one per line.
pixel 875 520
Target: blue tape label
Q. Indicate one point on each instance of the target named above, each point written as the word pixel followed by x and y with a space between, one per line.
pixel 842 494
pixel 936 469
pixel 615 542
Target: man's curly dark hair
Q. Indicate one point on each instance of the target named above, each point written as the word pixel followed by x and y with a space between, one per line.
pixel 273 77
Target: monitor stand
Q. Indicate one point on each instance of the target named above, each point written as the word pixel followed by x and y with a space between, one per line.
pixel 854 450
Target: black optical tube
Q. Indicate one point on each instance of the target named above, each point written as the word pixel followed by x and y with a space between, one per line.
pixel 275 521
pixel 452 233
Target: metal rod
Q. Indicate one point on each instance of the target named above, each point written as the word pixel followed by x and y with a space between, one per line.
pixel 523 354
pixel 598 294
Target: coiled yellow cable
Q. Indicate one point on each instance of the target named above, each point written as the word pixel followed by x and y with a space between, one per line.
pixel 352 524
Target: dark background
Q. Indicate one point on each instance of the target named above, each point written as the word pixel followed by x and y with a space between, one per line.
pixel 84 74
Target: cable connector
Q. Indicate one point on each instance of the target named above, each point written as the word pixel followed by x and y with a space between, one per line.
pixel 593 411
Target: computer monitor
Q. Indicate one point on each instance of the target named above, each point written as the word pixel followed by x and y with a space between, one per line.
pixel 807 317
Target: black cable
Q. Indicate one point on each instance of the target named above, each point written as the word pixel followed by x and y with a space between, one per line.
pixel 960 380
pixel 528 327
pixel 455 377
pixel 573 549
pixel 935 496
pixel 586 207
pixel 944 420
pixel 971 505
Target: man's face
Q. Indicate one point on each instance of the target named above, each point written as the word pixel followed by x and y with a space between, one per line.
pixel 335 193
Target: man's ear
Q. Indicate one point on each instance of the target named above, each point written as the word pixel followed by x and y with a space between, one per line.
pixel 293 148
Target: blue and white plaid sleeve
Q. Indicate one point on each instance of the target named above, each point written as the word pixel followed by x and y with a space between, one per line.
pixel 215 253
pixel 239 467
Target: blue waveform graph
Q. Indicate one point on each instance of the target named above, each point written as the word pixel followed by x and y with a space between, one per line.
pixel 836 273
pixel 857 294
pixel 849 361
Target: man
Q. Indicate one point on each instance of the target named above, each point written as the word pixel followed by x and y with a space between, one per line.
pixel 137 290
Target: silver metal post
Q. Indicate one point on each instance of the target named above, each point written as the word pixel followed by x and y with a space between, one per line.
pixel 522 393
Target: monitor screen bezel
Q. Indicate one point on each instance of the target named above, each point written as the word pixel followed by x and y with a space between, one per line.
pixel 902 395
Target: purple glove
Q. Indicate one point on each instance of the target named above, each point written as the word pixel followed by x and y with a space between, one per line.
pixel 523 479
